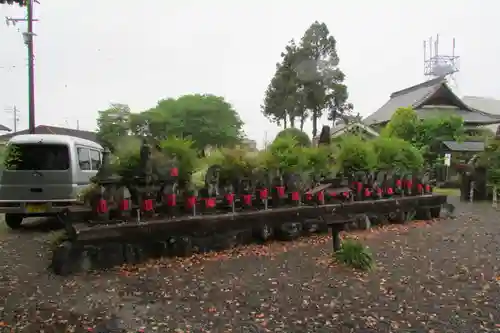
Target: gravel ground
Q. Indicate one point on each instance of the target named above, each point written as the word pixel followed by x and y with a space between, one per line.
pixel 439 276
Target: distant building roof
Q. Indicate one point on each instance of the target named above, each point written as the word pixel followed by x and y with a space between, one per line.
pixel 4 128
pixel 467 146
pixel 436 93
pixel 343 128
pixel 44 129
pixel 489 105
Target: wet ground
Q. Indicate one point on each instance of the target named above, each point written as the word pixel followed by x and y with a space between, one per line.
pixel 439 276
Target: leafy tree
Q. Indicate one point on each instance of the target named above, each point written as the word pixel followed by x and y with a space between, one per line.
pixel 425 134
pixel 338 106
pixel 403 125
pixel 479 134
pixel 317 69
pixel 284 98
pixel 207 120
pixel 272 108
pixel 307 81
pixel 301 137
pixel 436 129
pixel 490 159
pixel 21 3
pixel 113 124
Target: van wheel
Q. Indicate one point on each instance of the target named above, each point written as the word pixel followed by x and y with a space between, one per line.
pixel 13 221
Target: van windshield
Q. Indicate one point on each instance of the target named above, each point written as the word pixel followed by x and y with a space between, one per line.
pixel 37 156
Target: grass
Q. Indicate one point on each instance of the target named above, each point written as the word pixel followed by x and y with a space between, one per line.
pixel 452 192
pixel 3 227
pixel 354 254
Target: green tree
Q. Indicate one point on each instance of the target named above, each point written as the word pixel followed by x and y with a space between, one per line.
pixel 207 120
pixel 284 99
pixel 403 125
pixel 113 124
pixel 337 104
pixel 425 134
pixel 490 159
pixel 317 69
pixel 406 125
pixel 21 3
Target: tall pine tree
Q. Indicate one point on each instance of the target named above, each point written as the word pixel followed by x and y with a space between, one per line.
pixel 284 100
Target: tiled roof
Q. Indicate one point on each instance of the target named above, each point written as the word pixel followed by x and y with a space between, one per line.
pixel 4 128
pixel 417 95
pixel 471 117
pixel 43 129
pixel 342 128
pixel 489 105
pixel 467 146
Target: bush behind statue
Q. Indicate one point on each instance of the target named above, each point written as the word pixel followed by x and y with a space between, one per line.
pixel 285 155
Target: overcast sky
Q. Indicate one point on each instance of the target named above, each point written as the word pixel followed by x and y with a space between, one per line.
pixel 94 52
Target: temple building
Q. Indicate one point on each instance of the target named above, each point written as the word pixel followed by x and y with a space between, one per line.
pixel 429 99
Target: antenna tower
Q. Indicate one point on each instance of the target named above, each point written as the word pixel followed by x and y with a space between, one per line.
pixel 436 64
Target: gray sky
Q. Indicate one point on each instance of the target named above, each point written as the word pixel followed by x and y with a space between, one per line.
pixel 91 53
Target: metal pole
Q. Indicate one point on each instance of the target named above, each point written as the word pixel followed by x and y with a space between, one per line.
pixel 31 68
pixel 15 111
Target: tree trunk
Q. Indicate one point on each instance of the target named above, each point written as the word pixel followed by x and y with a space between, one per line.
pixel 334 117
pixel 302 122
pixel 315 123
pixel 292 121
pixel 285 122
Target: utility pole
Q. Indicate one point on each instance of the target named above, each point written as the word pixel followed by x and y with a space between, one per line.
pixel 15 113
pixel 28 40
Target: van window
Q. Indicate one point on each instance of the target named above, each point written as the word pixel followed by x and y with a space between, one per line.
pixel 95 159
pixel 84 158
pixel 37 156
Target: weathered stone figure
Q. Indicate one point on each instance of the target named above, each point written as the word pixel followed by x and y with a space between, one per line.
pixel 325 137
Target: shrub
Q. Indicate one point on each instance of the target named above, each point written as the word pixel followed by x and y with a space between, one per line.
pixel 413 159
pixel 301 137
pixel 395 153
pixel 285 154
pixel 319 159
pixel 355 154
pixel 181 150
pixel 354 254
pixel 233 162
pixel 126 158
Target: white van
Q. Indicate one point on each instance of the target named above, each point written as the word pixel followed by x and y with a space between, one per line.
pixel 43 174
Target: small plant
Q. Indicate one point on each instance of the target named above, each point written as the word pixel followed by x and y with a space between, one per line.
pixel 56 238
pixel 354 254
pixel 12 157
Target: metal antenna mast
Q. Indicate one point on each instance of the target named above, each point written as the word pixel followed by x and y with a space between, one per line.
pixel 28 40
pixel 436 64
